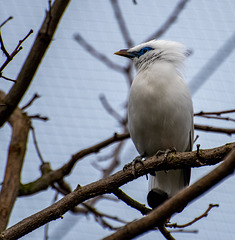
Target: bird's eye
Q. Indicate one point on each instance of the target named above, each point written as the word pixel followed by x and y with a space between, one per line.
pixel 145 50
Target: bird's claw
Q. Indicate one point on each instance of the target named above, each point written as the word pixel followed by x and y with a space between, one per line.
pixel 166 153
pixel 138 159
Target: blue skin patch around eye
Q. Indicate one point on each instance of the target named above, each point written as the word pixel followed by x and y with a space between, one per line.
pixel 142 51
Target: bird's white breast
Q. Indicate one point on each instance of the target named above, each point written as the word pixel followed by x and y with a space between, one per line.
pixel 160 112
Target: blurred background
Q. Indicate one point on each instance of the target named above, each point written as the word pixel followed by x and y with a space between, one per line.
pixel 78 90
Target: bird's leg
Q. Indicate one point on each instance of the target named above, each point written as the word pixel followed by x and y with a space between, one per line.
pixel 138 159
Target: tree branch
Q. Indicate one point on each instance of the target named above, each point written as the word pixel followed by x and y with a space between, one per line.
pixel 174 204
pixel 33 60
pixel 175 225
pixel 131 202
pixel 228 131
pixel 20 124
pixel 109 184
pixel 17 49
pixel 47 179
pixel 101 57
pixel 122 24
pixel 170 20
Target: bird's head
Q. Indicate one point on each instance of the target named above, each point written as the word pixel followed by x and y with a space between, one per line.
pixel 151 52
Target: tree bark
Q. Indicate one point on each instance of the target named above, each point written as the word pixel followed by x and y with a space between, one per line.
pixel 20 124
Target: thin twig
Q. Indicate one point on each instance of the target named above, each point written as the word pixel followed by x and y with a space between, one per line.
pixel 121 23
pixel 16 50
pixel 170 20
pixel 36 145
pixel 3 46
pixel 35 96
pixel 183 231
pixel 228 131
pixel 6 21
pixel 175 225
pixel 99 217
pixel 217 117
pixel 6 78
pixel 39 117
pixel 110 110
pixel 214 113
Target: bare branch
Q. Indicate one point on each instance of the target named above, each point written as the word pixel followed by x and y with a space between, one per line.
pixel 20 124
pixel 99 217
pixel 6 21
pixel 39 117
pixel 170 20
pixel 3 46
pixel 1 40
pixel 122 24
pixel 111 111
pixel 109 184
pixel 165 232
pixel 36 144
pixel 205 214
pixel 131 202
pixel 33 60
pixel 35 96
pixel 6 78
pixel 46 180
pixel 228 131
pixel 214 113
pixel 101 57
pixel 174 204
pixel 17 49
pixel 218 118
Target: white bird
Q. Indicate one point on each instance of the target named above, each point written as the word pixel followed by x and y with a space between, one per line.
pixel 160 111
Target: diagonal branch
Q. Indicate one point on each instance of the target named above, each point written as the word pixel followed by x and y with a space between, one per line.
pixel 109 184
pixel 101 57
pixel 33 60
pixel 166 210
pixel 17 49
pixel 1 25
pixel 47 179
pixel 170 20
pixel 131 202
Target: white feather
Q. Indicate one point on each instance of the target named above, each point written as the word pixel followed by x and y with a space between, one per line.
pixel 160 110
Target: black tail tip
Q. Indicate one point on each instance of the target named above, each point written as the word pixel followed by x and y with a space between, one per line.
pixel 156 197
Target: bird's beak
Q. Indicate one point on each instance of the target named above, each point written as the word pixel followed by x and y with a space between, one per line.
pixel 125 53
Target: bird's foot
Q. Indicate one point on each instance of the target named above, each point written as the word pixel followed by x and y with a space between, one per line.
pixel 138 159
pixel 166 153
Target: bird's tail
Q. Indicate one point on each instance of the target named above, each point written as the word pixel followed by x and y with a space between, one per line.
pixel 165 184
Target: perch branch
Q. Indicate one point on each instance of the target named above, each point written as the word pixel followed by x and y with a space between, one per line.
pixel 181 199
pixel 107 185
